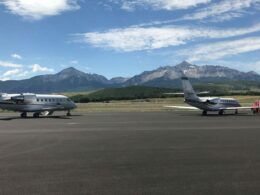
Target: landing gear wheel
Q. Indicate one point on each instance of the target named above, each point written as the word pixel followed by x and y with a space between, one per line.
pixel 68 113
pixel 36 115
pixel 204 113
pixel 236 112
pixel 221 112
pixel 24 115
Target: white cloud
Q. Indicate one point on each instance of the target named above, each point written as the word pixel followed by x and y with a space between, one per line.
pixel 16 56
pixel 222 49
pixel 12 72
pixel 23 73
pixel 74 62
pixel 131 5
pixel 224 10
pixel 139 38
pixel 36 68
pixel 10 64
pixel 18 71
pixel 38 9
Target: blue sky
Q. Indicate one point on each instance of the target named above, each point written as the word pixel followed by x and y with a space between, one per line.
pixel 125 37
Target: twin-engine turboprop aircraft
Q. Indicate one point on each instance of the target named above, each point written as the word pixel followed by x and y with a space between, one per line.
pixel 38 104
pixel 207 104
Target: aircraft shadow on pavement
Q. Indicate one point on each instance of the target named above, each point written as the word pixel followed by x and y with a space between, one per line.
pixel 217 115
pixel 211 114
pixel 42 117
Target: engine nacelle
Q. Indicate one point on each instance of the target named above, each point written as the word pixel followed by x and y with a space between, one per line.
pixel 24 98
pixel 213 101
pixel 17 98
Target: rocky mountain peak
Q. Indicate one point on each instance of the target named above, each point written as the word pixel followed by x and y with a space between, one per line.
pixel 184 65
pixel 71 71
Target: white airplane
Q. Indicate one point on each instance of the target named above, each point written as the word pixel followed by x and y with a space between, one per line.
pixel 206 104
pixel 38 104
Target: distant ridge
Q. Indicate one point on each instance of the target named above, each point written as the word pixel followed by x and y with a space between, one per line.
pixel 69 79
pixel 169 73
pixel 73 80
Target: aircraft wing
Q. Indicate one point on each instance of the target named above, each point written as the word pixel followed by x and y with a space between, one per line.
pixel 181 93
pixel 237 108
pixel 182 107
pixel 173 93
pixel 194 108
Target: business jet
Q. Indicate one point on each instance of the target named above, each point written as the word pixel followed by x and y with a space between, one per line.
pixel 206 104
pixel 38 104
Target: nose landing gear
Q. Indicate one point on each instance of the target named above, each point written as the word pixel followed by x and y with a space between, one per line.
pixel 68 113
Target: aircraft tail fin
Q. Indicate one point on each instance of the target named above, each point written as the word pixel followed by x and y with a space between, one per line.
pixel 188 90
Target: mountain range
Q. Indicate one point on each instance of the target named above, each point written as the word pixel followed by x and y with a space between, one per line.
pixel 71 79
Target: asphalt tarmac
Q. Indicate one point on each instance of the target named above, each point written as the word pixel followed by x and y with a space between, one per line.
pixel 130 153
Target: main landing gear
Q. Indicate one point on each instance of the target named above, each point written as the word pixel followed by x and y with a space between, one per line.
pixel 36 115
pixel 221 112
pixel 23 115
pixel 204 113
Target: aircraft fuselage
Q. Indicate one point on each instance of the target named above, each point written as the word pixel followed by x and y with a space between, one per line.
pixel 213 104
pixel 36 103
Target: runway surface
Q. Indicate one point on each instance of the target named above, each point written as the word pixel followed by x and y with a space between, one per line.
pixel 130 153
